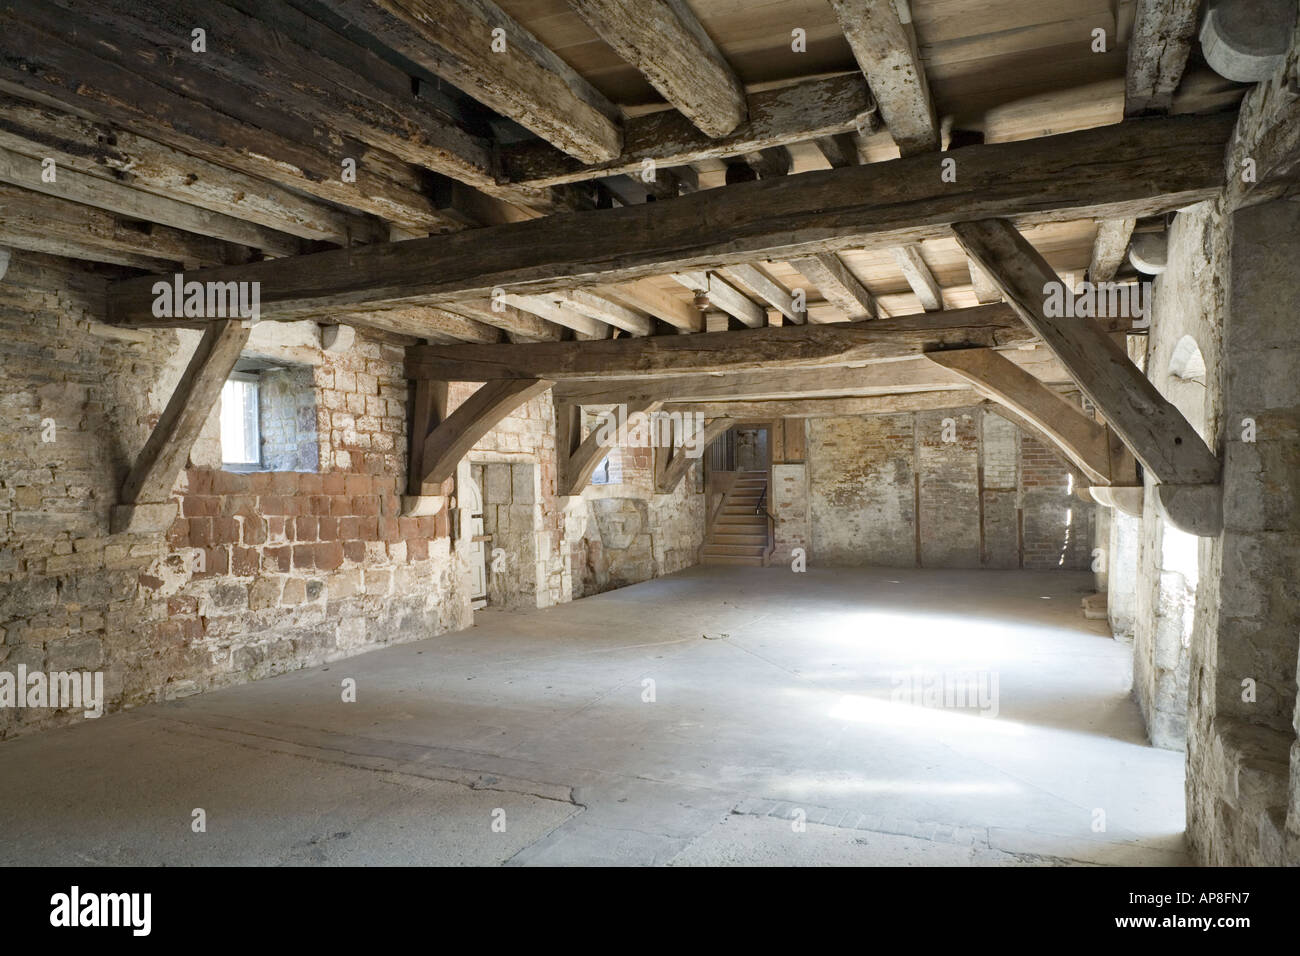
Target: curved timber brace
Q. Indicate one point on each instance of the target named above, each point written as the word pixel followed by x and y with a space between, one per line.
pixel 1149 424
pixel 672 463
pixel 576 461
pixel 439 441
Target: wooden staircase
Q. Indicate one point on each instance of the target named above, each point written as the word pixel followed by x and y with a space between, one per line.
pixel 739 534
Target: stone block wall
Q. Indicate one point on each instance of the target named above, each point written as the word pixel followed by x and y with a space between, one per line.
pixel 950 488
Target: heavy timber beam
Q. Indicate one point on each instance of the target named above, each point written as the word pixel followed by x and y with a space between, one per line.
pixel 452 439
pixel 664 40
pixel 423 322
pixel 674 469
pixel 1156 432
pixel 144 501
pixel 521 326
pixel 832 407
pixel 777 117
pixel 100 80
pixel 1082 439
pixel 576 469
pixel 113 155
pixel 837 284
pixel 1109 248
pixel 789 346
pixel 457 40
pixel 884 45
pixel 1163 31
pixel 916 374
pixel 1127 170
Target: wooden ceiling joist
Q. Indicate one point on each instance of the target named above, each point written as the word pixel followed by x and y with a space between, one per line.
pixel 757 282
pixel 777 117
pixel 113 155
pixel 1128 170
pixel 607 311
pixel 919 276
pixel 519 325
pixel 787 346
pixel 837 284
pixel 546 307
pixel 1162 38
pixel 479 49
pixel 1109 248
pixel 884 44
pixel 724 296
pixel 664 40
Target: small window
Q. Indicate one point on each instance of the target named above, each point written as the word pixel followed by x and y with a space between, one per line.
pixel 609 471
pixel 241 439
pixel 601 475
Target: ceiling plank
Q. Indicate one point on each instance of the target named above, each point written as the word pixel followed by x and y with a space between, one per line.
pixel 664 40
pixel 919 276
pixel 837 284
pixel 1163 33
pixel 884 44
pixel 1156 431
pixel 1128 170
pixel 777 117
pixel 479 49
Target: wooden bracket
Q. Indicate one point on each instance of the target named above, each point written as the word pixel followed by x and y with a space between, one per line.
pixel 577 465
pixel 145 499
pixel 669 470
pixel 448 438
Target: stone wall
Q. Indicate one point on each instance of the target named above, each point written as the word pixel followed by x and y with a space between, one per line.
pixel 951 488
pixel 267 571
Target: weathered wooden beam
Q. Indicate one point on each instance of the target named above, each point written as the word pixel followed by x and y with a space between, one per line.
pixel 424 322
pixel 681 314
pixel 575 470
pixel 164 454
pixel 428 411
pixel 914 374
pixel 771 347
pixel 1127 170
pixel 837 284
pixel 1150 425
pixel 44 223
pixel 884 44
pixel 546 307
pixel 919 276
pixel 452 439
pixel 986 290
pixel 478 48
pixel 777 117
pixel 725 296
pixel 770 409
pixel 98 76
pixel 1263 159
pixel 668 477
pixel 1163 33
pixel 606 311
pixel 840 149
pixel 664 40
pixel 521 326
pixel 757 282
pixel 1109 248
pixel 114 155
pixel 1084 440
pixel 71 185
pixel 769 163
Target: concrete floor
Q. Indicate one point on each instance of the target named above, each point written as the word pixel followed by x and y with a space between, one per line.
pixel 772 705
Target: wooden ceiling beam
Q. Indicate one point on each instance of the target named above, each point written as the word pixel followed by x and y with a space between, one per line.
pixel 607 311
pixel 778 117
pixel 919 276
pixel 757 282
pixel 519 325
pixel 548 308
pixel 837 284
pixel 1128 170
pixel 1109 248
pixel 664 40
pixel 1163 33
pixel 884 44
pixel 725 296
pixel 479 49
